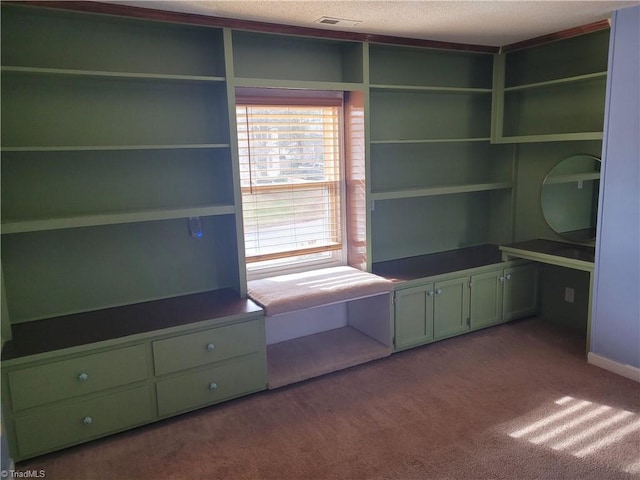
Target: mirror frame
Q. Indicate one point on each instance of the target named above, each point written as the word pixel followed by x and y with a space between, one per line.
pixel 580 235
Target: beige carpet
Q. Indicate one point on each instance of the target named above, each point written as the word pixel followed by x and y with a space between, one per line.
pixel 324 352
pixel 516 401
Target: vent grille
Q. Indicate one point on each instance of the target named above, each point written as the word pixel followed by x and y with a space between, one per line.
pixel 337 22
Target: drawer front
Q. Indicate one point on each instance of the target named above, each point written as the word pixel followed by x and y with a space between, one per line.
pixel 57 427
pixel 212 385
pixel 200 348
pixel 65 379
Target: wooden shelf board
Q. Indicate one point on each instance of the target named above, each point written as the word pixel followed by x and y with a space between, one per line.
pixel 297 84
pixel 441 190
pixel 89 148
pixel 321 353
pixel 559 81
pixel 108 74
pixel 430 140
pixel 550 137
pixel 428 89
pixel 35 225
pixel 572 177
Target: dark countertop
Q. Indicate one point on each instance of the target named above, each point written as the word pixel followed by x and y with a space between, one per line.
pixel 67 331
pixel 561 249
pixel 413 268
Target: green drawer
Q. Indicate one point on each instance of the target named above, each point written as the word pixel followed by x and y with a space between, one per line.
pixel 211 386
pixel 46 383
pixel 57 427
pixel 200 348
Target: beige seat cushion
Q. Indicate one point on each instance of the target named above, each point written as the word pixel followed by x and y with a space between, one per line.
pixel 288 293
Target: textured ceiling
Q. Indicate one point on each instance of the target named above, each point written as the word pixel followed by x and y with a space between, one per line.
pixel 493 23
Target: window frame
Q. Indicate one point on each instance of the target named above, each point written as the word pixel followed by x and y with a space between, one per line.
pixel 298 263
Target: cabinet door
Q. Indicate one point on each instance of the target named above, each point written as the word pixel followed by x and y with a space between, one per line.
pixel 413 316
pixel 520 291
pixel 486 299
pixel 451 307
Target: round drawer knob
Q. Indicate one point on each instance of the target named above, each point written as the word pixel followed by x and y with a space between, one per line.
pixel 211 347
pixel 83 377
pixel 213 386
pixel 438 291
pixel 508 276
pixel 430 293
pixel 501 279
pixel 87 420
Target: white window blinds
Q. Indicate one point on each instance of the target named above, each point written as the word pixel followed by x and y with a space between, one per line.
pixel 290 176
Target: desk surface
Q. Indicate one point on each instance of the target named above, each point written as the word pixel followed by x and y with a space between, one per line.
pixel 568 255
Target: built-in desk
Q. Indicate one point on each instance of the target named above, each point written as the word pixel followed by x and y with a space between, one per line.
pixel 578 257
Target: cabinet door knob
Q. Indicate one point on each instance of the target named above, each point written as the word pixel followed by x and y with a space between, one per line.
pixel 211 347
pixel 438 291
pixel 508 276
pixel 213 386
pixel 501 278
pixel 87 420
pixel 430 293
pixel 83 377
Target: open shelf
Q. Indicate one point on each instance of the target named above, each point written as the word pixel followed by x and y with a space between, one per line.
pixel 447 222
pixel 441 190
pixel 417 169
pixel 551 137
pixel 63 111
pixel 107 74
pixel 314 355
pixel 295 59
pixel 413 88
pixel 572 177
pixel 552 92
pixel 297 84
pixel 88 188
pixel 75 41
pixel 35 225
pixel 394 66
pixel 428 115
pixel 430 140
pixel 561 108
pixel 560 81
pixel 66 271
pixel 571 58
pixel 106 148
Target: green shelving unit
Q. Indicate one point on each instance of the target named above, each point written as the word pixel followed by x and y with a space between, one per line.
pixel 551 92
pixel 430 156
pixel 128 122
pixel 287 61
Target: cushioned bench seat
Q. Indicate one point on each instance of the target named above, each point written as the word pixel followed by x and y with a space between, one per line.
pixel 289 293
pixel 322 321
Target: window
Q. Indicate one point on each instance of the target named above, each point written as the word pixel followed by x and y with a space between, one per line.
pixel 292 181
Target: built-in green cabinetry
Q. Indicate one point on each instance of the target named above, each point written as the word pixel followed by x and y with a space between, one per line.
pixel 286 61
pixel 551 92
pixel 115 132
pixel 80 377
pixel 430 156
pixel 123 270
pixel 434 308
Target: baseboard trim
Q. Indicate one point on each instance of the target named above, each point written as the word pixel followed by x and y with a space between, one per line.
pixel 627 371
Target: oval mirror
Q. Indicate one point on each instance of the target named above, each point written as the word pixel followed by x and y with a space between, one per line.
pixel 570 197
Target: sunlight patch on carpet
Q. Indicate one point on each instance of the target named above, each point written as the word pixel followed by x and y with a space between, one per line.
pixel 583 429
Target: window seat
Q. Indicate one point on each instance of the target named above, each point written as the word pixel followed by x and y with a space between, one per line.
pixel 322 321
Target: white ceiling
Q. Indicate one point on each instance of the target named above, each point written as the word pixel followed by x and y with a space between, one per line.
pixel 480 22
